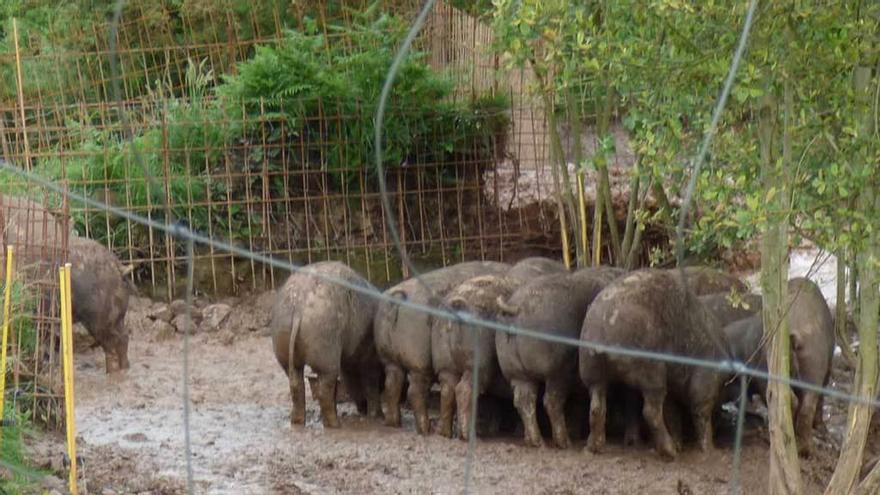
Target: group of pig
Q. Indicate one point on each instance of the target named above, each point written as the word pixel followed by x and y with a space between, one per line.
pixel 379 347
pixel 326 316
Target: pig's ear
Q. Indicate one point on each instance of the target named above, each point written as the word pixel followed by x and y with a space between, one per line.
pixel 458 303
pixel 399 294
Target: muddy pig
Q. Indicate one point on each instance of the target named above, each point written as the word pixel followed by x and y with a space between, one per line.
pixel 452 343
pixel 99 296
pixel 328 327
pixel 535 266
pixel 729 308
pixel 403 336
pixel 650 310
pixel 553 304
pixel 812 349
pixel 702 280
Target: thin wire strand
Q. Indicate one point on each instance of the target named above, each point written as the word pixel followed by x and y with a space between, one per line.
pixel 191 237
pixel 126 127
pixel 701 157
pixel 190 276
pixel 380 118
pixel 113 55
pixel 726 365
pixel 710 134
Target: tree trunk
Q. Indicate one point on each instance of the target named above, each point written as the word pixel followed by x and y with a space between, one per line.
pixel 638 228
pixel 631 209
pixel 574 121
pixel 859 418
pixel 665 209
pixel 584 225
pixel 841 329
pixel 558 155
pixel 558 167
pixel 854 287
pixel 597 231
pixel 603 189
pixel 785 476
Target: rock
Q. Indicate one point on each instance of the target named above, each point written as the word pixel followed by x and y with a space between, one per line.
pixel 137 322
pixel 53 484
pixel 139 304
pixel 226 337
pixel 161 312
pixel 178 307
pixel 214 315
pixel 135 437
pixel 181 321
pixel 263 313
pixel 162 330
pixel 265 301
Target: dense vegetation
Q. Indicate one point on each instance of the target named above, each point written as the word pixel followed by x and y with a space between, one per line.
pixel 19 476
pixel 794 154
pixel 311 95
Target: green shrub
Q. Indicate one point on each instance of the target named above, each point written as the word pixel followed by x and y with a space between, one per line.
pixel 307 80
pixel 23 477
pixel 315 95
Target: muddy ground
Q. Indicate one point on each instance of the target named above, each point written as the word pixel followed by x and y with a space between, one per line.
pixel 131 434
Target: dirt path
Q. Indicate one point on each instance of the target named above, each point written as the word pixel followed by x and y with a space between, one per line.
pixel 133 440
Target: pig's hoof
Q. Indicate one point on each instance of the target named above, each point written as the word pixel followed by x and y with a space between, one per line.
pixel 805 450
pixel 330 422
pixel 535 443
pixel 705 447
pixel 423 427
pixel 666 453
pixel 595 445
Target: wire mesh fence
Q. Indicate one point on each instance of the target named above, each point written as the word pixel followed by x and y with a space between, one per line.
pixel 285 176
pixel 39 237
pixel 287 183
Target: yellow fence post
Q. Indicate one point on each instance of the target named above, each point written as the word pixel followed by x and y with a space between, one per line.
pixel 7 300
pixel 67 364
